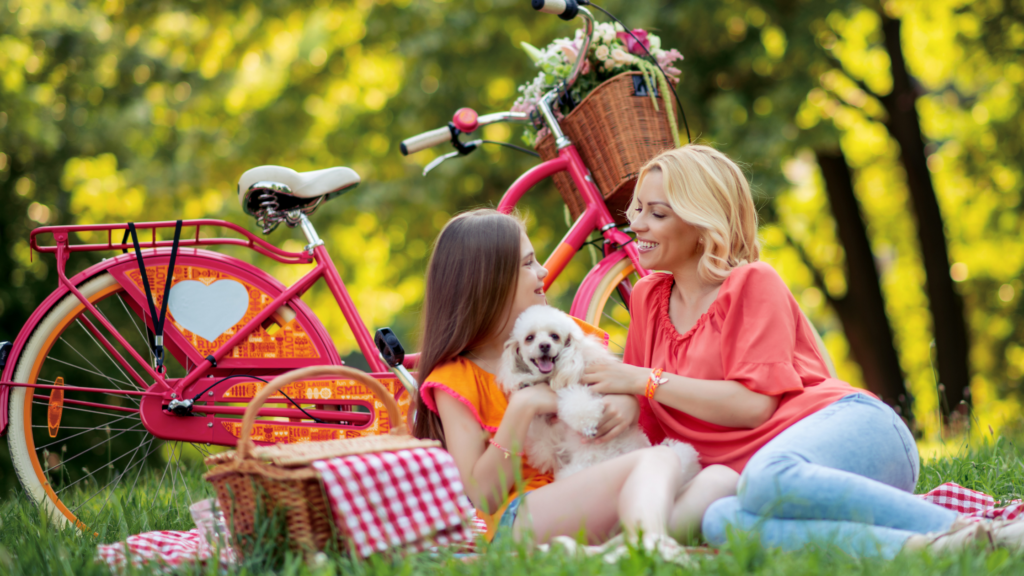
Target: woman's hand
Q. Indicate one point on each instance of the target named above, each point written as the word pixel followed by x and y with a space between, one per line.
pixel 620 412
pixel 616 378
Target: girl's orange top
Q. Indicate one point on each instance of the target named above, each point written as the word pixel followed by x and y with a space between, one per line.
pixel 480 392
pixel 754 333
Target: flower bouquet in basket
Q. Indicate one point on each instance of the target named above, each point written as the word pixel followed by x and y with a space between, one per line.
pixel 620 112
pixel 613 51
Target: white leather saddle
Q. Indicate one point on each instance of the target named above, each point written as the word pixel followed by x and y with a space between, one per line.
pixel 292 190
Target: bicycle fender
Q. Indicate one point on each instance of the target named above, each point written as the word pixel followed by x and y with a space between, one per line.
pixel 590 282
pixel 7 375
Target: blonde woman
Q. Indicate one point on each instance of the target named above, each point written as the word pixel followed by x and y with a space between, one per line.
pixel 722 357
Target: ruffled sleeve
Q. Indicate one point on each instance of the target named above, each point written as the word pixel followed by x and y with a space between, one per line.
pixel 468 384
pixel 759 330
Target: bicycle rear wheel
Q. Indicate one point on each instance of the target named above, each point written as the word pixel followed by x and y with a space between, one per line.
pixel 608 307
pixel 92 461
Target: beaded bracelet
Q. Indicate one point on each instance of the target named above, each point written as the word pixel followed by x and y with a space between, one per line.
pixel 653 381
pixel 502 448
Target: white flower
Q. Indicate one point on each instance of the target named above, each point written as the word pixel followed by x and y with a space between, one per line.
pixel 602 52
pixel 621 57
pixel 604 33
pixel 655 42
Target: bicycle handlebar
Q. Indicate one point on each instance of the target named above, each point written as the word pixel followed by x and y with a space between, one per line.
pixel 564 9
pixel 465 121
pixel 425 140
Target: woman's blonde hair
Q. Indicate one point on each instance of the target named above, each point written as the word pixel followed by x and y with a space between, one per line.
pixel 708 190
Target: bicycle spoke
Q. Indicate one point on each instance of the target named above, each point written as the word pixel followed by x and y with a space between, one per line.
pixel 77 409
pixel 140 464
pixel 131 316
pixel 91 474
pixel 620 324
pixel 201 449
pixel 84 430
pixel 106 353
pixel 84 427
pixel 95 370
pixel 83 369
pixel 148 454
pixel 64 461
pixel 166 467
pixel 181 474
pixel 116 481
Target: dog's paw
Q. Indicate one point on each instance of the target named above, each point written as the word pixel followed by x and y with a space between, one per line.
pixel 580 409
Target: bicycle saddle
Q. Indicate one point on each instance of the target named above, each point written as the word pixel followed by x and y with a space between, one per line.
pixel 290 190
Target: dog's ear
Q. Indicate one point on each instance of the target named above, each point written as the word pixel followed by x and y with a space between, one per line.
pixel 513 367
pixel 569 368
pixel 520 365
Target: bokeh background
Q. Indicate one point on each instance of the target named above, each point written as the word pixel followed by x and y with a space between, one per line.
pixel 883 141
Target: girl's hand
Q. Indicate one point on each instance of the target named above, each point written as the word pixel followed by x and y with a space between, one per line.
pixel 620 412
pixel 616 378
pixel 539 399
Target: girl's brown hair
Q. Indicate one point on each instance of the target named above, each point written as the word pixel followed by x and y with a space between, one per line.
pixel 470 279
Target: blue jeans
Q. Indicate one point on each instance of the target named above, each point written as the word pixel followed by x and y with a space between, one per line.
pixel 508 519
pixel 843 475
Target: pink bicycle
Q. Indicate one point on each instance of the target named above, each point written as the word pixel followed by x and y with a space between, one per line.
pixel 157 349
pixel 620 267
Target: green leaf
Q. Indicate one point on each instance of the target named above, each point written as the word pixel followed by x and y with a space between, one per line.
pixel 532 51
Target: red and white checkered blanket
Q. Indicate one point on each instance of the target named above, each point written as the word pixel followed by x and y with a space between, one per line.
pixel 409 500
pixel 378 511
pixel 973 504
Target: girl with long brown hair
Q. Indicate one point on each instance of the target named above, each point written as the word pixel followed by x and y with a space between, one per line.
pixel 483 273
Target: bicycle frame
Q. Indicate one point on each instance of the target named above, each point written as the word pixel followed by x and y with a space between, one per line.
pixel 156 390
pixel 595 216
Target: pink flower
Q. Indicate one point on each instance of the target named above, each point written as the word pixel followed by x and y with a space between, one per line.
pixel 632 45
pixel 571 52
pixel 667 57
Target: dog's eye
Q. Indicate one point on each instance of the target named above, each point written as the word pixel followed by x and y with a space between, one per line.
pixel 529 338
pixel 554 337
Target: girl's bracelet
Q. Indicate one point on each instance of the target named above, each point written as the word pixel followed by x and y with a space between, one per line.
pixel 653 381
pixel 503 449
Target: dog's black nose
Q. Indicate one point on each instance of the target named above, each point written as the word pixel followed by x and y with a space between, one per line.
pixel 545 348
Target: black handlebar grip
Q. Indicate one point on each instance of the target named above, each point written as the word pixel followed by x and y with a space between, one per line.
pixel 564 9
pixel 389 346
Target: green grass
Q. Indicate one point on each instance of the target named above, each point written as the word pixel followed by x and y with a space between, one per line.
pixel 31 545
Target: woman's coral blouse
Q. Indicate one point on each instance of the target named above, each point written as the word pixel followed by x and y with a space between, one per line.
pixel 754 333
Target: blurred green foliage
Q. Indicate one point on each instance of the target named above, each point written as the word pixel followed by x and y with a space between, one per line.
pixel 114 111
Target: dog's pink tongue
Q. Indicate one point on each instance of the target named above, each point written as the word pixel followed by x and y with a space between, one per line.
pixel 545 365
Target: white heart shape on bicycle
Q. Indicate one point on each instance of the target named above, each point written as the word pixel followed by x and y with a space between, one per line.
pixel 208 311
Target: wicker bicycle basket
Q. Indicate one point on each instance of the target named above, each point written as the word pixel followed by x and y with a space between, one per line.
pixel 281 476
pixel 616 131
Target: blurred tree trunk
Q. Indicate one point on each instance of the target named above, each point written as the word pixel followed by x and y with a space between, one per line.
pixel 862 309
pixel 946 306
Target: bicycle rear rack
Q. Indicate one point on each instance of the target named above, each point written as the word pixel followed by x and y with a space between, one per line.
pixel 62 235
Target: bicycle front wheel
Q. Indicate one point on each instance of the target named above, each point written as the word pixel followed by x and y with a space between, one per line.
pixel 83 455
pixel 608 307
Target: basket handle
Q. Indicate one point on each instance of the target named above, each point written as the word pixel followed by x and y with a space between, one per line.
pixel 245 444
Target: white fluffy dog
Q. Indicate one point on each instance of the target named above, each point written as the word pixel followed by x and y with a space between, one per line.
pixel 548 346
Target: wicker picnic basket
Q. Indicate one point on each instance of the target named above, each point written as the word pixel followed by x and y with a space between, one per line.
pixel 616 130
pixel 281 476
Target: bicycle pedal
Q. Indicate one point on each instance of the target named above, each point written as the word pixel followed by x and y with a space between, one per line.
pixel 389 346
pixel 5 351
